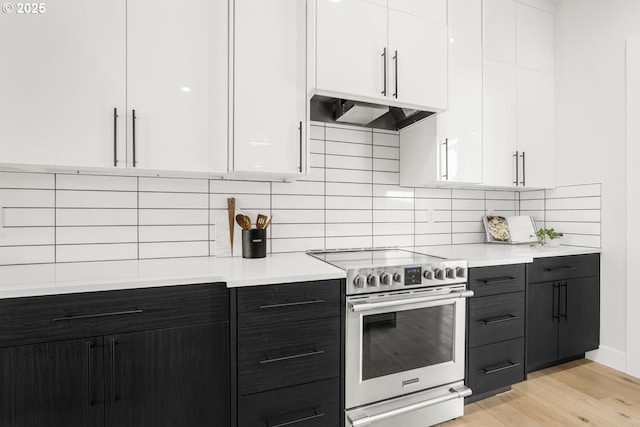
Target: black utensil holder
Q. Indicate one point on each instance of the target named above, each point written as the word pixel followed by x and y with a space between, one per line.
pixel 254 243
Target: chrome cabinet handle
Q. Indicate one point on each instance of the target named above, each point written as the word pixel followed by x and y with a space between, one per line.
pixel 517 173
pixel 115 137
pixel 501 319
pixel 291 304
pixel 446 159
pixel 395 59
pixel 91 316
pixel 295 356
pixel 358 306
pixel 133 140
pixel 300 129
pixel 523 182
pixel 384 68
pixel 509 365
pixel 498 280
pixel 296 421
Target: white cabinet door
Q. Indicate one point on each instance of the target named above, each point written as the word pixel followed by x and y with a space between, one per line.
pixel 499 123
pixel 63 74
pixel 420 154
pixel 536 128
pixel 418 61
pixel 351 40
pixel 270 102
pixel 177 84
pixel 534 40
pixel 434 10
pixel 499 27
pixel 460 127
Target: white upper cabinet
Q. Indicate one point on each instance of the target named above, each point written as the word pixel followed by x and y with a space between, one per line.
pixel 62 77
pixel 536 129
pixel 465 21
pixel 433 10
pixel 534 41
pixel 269 86
pixel 177 85
pixel 418 61
pixel 395 54
pixel 354 60
pixel 500 133
pixel 499 28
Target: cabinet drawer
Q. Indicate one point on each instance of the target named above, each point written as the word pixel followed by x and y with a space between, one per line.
pixel 309 405
pixel 271 357
pixel 261 305
pixel 496 318
pixel 495 366
pixel 565 267
pixel 57 317
pixel 497 280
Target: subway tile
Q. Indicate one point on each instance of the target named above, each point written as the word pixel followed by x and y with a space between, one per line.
pixel 391 229
pixel 299 187
pixel 467 205
pixel 466 216
pixel 340 189
pixel 393 191
pixel 96 235
pixel 348 135
pixel 467 194
pixel 589 228
pixel 283 231
pixel 96 199
pixel 338 202
pixel 501 195
pixel 391 178
pixel 280 201
pixel 505 214
pixel 317 147
pixel 26 236
pixel 243 201
pixel 349 242
pixel 467 238
pixel 347 149
pixel 532 205
pixel 96 217
pixel 317 160
pixel 349 229
pixel 315 174
pixel 20 180
pixel 239 187
pixel 174 200
pixel 316 132
pixel 341 175
pixel 578 203
pixel 401 241
pixel 96 182
pixel 298 216
pixel 586 190
pixel 383 165
pixel 388 139
pixel 296 245
pixel 98 252
pixel 574 216
pixel 26 276
pixel 176 185
pixel 174 233
pixel 532 195
pixel 433 193
pixel 433 204
pixel 432 239
pixel 348 162
pixel 393 203
pixel 27 217
pixel 501 205
pixel 393 216
pixel 467 227
pixel 18 198
pixel 174 217
pixel 27 255
pixel 390 153
pixel 433 227
pixel 173 249
pixel 346 215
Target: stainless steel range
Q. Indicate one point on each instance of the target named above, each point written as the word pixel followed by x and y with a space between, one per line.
pixel 405 332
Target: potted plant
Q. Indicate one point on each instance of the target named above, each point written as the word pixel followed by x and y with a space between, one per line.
pixel 547 236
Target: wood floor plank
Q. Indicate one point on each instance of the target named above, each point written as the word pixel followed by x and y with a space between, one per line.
pixel 579 393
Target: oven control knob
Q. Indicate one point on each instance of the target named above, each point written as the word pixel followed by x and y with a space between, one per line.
pixel 449 273
pixel 386 279
pixel 428 274
pixel 397 277
pixel 438 274
pixel 373 280
pixel 359 282
pixel 460 272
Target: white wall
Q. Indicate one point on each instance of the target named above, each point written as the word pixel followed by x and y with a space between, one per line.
pixel 591 137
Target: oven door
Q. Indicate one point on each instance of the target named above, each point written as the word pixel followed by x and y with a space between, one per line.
pixel 403 342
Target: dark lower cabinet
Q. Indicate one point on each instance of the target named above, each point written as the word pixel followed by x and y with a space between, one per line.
pixel 152 377
pixel 56 384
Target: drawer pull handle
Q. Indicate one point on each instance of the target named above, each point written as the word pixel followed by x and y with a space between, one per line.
pixel 91 316
pixel 291 304
pixel 562 268
pixel 498 280
pixel 295 356
pixel 501 368
pixel 501 319
pixel 299 420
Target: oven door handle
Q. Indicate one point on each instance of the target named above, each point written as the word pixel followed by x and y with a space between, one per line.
pixel 363 419
pixel 357 306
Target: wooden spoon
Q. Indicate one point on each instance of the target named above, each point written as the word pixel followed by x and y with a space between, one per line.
pixel 243 221
pixel 231 206
pixel 261 222
pixel 268 222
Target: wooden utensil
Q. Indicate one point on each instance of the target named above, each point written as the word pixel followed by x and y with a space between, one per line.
pixel 244 221
pixel 231 207
pixel 268 222
pixel 261 221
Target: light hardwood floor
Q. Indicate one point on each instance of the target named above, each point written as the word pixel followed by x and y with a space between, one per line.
pixel 579 393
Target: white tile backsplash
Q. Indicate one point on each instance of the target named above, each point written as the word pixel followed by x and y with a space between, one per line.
pixel 351 199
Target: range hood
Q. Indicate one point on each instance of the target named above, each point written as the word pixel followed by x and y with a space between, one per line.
pixel 339 110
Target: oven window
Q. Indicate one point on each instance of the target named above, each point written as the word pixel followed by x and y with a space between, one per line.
pixel 404 340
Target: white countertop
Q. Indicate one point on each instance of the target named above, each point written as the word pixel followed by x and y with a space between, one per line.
pixel 489 254
pixel 49 279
